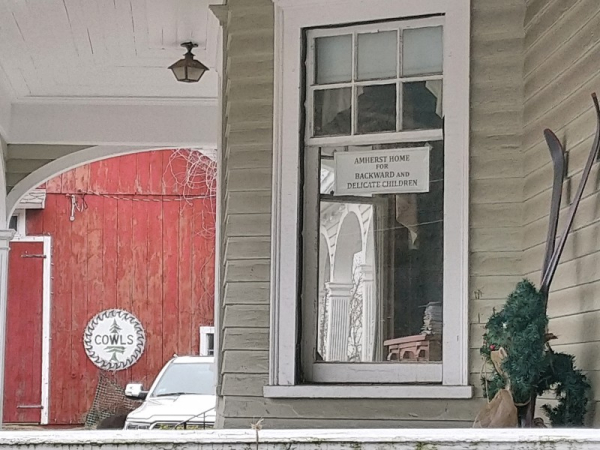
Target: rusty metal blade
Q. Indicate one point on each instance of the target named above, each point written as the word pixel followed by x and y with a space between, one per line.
pixel 558 162
pixel 549 275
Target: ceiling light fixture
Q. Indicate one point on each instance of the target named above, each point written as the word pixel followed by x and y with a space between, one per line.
pixel 188 69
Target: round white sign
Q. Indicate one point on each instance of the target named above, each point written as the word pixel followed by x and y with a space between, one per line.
pixel 114 339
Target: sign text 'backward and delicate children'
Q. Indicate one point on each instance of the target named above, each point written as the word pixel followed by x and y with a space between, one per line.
pixel 394 171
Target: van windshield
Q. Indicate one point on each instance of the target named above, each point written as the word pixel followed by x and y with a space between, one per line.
pixel 188 378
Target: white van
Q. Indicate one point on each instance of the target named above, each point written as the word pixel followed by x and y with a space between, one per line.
pixel 181 397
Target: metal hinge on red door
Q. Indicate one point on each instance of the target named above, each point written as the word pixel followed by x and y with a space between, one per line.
pixel 27 255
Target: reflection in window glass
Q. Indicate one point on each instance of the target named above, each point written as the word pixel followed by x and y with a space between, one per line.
pixel 332 114
pixel 333 59
pixel 422 105
pixel 192 378
pixel 381 272
pixel 422 51
pixel 377 55
pixel 376 108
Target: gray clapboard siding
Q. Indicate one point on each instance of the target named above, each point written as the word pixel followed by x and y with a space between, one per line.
pixel 246 339
pixel 536 52
pixel 492 287
pixel 246 361
pixel 247 270
pixel 575 272
pixel 481 310
pixel 496 263
pixel 496 164
pixel 496 219
pixel 561 54
pixel 586 215
pixel 581 242
pixel 495 215
pixel 496 191
pixel 251 293
pixel 246 316
pixel 496 239
pixel 249 202
pixel 575 300
pixel 357 409
pixel 570 53
pixel 248 385
pixel 248 247
pixel 252 160
pixel 247 225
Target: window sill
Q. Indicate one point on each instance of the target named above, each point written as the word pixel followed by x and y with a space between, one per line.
pixel 369 391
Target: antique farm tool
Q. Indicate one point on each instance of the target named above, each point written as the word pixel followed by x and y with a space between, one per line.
pixel 558 161
pixel 551 264
pixel 553 251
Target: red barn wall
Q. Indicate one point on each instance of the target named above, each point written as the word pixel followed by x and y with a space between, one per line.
pixel 139 246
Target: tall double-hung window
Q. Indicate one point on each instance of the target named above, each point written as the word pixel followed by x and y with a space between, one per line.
pixel 381 224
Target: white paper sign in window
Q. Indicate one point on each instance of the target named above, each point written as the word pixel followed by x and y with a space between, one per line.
pixel 395 171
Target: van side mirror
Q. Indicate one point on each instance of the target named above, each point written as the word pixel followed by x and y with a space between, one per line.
pixel 135 391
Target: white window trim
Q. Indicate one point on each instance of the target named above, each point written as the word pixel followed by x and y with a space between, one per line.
pixel 21 230
pixel 46 323
pixel 291 18
pixel 204 332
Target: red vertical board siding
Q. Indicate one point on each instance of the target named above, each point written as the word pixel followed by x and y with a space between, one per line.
pixel 61 308
pixel 142 179
pixel 79 288
pixel 24 334
pixel 184 281
pixel 170 278
pixel 137 246
pixel 95 278
pixel 156 267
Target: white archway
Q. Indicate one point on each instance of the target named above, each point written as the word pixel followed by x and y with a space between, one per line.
pixel 348 242
pixel 71 161
pixel 33 180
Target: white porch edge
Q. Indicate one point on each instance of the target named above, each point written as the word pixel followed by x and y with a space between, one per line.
pixel 361 391
pixel 46 323
pixel 393 439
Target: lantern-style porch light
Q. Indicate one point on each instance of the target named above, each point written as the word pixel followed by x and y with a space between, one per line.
pixel 188 69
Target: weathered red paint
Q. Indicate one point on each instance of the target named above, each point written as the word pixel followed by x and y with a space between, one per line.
pixel 24 335
pixel 152 258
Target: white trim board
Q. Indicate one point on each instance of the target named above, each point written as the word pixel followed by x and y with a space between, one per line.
pixel 46 323
pixel 291 18
pixel 122 122
pixel 369 391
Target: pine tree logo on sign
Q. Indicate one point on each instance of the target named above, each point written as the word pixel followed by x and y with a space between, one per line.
pixel 114 339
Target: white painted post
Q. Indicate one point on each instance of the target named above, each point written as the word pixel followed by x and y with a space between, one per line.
pixel 5 237
pixel 369 313
pixel 338 326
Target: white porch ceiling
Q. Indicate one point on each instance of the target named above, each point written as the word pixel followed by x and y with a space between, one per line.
pixel 58 56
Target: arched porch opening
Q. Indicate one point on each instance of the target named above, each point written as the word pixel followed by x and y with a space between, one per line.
pixel 125 277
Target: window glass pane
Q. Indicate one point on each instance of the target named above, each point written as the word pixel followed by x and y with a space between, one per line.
pixel 13 223
pixel 377 55
pixel 376 108
pixel 332 112
pixel 422 105
pixel 333 59
pixel 381 269
pixel 422 51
